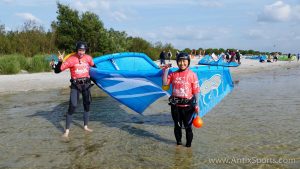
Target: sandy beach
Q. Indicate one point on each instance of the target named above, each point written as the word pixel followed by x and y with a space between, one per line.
pixel 50 80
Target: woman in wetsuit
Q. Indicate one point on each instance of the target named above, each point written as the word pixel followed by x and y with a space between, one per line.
pixel 79 65
pixel 184 98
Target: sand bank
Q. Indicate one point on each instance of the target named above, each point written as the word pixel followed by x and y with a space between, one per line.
pixel 50 80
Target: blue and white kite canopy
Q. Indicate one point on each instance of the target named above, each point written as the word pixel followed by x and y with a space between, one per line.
pixel 135 80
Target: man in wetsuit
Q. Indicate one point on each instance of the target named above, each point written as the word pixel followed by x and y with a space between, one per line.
pixel 79 65
pixel 184 100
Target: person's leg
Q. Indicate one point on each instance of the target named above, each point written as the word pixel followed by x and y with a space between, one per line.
pixel 177 124
pixel 86 96
pixel 74 97
pixel 188 121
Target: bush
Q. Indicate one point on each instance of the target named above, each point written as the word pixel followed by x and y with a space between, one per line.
pixel 12 64
pixel 38 63
pixel 9 64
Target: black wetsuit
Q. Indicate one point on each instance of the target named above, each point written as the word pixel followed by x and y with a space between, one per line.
pixel 183 118
pixel 79 86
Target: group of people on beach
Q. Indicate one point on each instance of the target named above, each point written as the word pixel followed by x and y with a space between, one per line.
pixel 274 58
pixel 228 56
pixel 184 100
pixel 231 56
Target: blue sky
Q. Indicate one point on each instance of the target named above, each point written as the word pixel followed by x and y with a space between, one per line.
pixel 264 25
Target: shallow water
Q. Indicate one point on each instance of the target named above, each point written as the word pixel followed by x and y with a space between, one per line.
pixel 256 126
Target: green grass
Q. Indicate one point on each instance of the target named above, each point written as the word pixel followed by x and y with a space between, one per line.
pixel 13 64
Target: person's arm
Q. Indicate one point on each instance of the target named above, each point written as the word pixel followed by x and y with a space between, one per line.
pixel 165 85
pixel 197 106
pixel 57 67
pixel 196 92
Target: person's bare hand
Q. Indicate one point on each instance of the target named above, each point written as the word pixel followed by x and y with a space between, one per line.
pixel 61 56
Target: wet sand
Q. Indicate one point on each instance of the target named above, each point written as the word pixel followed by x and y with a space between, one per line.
pixel 255 126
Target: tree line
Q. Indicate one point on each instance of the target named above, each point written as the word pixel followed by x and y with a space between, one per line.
pixel 71 26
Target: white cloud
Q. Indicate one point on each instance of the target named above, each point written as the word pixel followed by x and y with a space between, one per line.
pixel 182 37
pixel 276 12
pixel 102 7
pixel 84 6
pixel 28 16
pixel 119 16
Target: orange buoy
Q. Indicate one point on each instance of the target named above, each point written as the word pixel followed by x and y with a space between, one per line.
pixel 197 122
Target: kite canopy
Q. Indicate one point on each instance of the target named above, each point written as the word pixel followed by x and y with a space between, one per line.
pixel 216 61
pixel 135 80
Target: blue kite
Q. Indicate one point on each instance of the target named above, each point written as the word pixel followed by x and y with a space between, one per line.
pixel 135 80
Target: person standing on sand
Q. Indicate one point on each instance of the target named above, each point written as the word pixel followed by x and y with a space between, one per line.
pixel 238 56
pixel 298 57
pixel 79 65
pixel 184 100
pixel 169 55
pixel 227 55
pixel 275 57
pixel 162 58
pixel 177 53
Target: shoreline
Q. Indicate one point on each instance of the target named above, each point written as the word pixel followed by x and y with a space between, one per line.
pixel 10 84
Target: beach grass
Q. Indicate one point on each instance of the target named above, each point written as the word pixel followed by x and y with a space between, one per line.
pixel 14 63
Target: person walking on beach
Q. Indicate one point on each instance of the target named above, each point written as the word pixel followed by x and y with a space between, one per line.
pixel 227 55
pixel 184 99
pixel 232 56
pixel 275 57
pixel 177 53
pixel 169 55
pixel 238 56
pixel 79 65
pixel 162 58
pixel 289 57
pixel 298 57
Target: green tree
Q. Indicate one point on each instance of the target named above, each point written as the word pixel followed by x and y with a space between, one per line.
pixel 67 28
pixel 93 32
pixel 117 40
pixel 187 50
pixel 2 39
pixel 31 39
